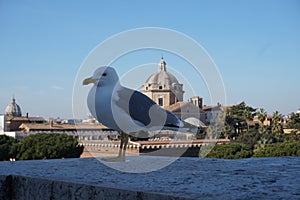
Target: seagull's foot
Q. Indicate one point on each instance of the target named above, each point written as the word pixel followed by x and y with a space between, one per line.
pixel 114 159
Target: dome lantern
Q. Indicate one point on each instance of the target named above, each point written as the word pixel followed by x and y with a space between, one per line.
pixel 162 65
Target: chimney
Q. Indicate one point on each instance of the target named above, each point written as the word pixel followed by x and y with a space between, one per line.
pixel 197 101
pixel 51 122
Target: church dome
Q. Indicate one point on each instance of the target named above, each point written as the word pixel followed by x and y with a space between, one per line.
pixel 163 87
pixel 162 77
pixel 13 109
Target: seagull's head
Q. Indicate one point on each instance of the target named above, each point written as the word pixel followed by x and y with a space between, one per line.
pixel 103 76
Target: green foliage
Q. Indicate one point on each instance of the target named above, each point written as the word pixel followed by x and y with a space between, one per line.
pixel 261 114
pixel 47 146
pixel 294 122
pixel 260 140
pixel 238 117
pixel 230 151
pixel 277 127
pixel 293 136
pixel 288 148
pixel 263 129
pixel 5 147
pixel 249 138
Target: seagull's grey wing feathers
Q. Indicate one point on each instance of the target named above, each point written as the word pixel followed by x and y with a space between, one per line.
pixel 139 106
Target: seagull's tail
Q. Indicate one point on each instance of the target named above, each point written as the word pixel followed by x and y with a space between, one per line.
pixel 189 126
pixel 194 128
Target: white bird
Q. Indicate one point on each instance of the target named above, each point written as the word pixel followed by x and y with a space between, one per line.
pixel 124 109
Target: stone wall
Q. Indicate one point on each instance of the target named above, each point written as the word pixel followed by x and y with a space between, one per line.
pixel 3 187
pixel 151 177
pixel 28 188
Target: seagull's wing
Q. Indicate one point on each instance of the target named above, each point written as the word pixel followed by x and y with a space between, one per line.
pixel 139 106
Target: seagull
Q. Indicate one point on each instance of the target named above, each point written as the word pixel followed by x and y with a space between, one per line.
pixel 125 110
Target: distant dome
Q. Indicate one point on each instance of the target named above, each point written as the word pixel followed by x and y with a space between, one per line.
pixel 13 109
pixel 162 77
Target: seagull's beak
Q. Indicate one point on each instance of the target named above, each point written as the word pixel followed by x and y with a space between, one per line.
pixel 89 80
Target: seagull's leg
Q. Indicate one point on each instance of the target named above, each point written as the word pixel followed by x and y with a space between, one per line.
pixel 126 138
pixel 121 145
pixel 121 155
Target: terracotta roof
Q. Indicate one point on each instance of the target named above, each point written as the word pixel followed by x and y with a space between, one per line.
pixel 269 116
pixel 175 106
pixel 60 127
pixel 34 119
pixel 23 118
pixel 253 122
pixel 212 107
pixel 12 118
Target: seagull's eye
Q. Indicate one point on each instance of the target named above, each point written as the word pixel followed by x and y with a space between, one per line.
pixel 104 74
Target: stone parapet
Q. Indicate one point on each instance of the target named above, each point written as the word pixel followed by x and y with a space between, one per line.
pixel 28 188
pixel 151 177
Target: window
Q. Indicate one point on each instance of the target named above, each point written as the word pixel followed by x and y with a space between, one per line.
pixel 160 101
pixel 160 87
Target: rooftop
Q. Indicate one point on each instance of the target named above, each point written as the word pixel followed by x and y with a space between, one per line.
pixel 61 127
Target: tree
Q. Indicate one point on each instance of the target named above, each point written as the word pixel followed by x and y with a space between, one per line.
pixel 248 116
pixel 277 127
pixel 280 149
pixel 294 122
pixel 262 115
pixel 266 138
pixel 6 143
pixel 230 151
pixel 249 138
pixel 239 115
pixel 48 146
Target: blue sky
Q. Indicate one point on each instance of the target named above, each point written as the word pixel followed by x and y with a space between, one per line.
pixel 255 44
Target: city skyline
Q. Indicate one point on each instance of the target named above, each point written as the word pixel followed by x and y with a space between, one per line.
pixel 255 46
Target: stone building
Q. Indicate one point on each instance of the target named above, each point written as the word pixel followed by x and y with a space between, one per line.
pixel 163 87
pixel 188 109
pixel 165 90
pixel 13 117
